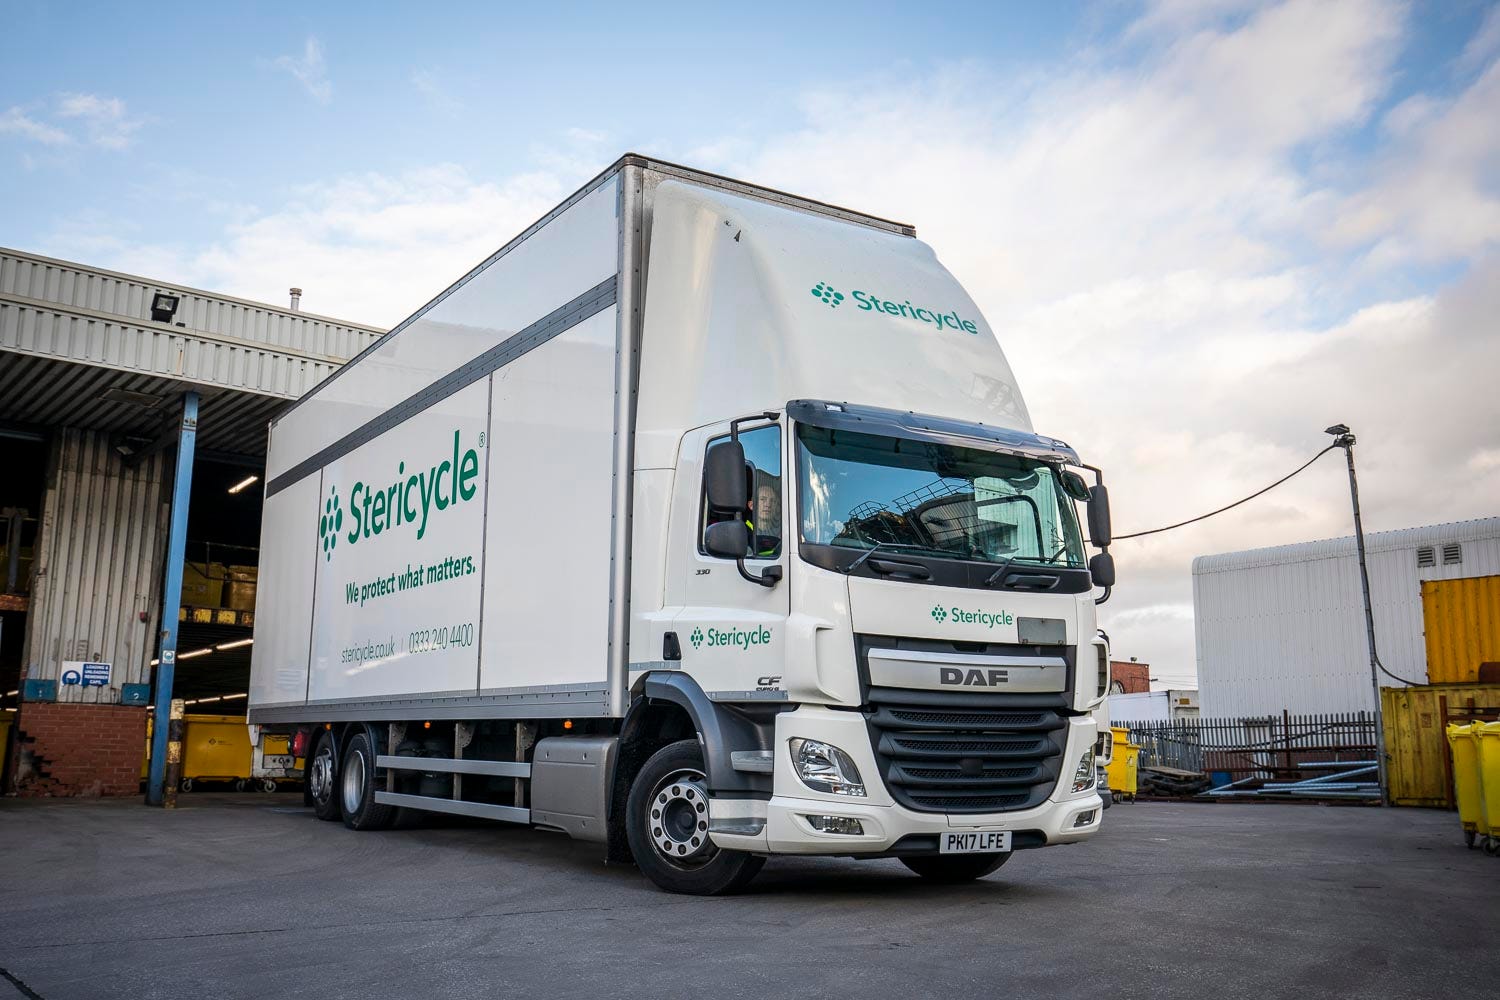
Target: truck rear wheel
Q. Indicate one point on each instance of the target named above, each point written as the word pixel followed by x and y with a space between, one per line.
pixel 322 770
pixel 357 787
pixel 666 822
pixel 953 869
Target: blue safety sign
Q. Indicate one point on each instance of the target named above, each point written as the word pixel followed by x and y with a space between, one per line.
pixel 76 672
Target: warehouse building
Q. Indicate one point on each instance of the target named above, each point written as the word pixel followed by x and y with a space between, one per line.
pixel 1283 628
pixel 104 379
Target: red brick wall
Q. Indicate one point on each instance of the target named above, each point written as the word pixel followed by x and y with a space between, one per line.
pixel 1134 678
pixel 87 750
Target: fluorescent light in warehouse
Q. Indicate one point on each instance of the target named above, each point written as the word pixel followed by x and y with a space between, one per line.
pixel 234 645
pixel 197 652
pixel 247 481
pixel 235 697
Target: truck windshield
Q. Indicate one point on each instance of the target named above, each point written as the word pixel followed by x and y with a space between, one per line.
pixel 864 490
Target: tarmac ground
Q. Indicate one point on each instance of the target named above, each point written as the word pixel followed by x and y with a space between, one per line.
pixel 248 895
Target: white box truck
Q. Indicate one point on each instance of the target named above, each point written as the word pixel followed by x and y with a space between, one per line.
pixel 700 521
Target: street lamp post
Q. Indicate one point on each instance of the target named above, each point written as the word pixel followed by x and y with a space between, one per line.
pixel 1344 438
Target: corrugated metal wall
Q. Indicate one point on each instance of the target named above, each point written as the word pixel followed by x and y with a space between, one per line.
pixel 98 564
pixel 1283 628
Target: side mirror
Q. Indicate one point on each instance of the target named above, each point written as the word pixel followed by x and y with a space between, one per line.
pixel 725 479
pixel 727 539
pixel 1074 486
pixel 1099 530
pixel 1102 569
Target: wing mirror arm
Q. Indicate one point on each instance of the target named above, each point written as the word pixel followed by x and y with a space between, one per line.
pixel 1102 565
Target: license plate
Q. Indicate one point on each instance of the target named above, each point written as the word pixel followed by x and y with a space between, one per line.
pixel 986 842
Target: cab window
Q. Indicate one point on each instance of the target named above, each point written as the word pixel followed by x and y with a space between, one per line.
pixel 763 506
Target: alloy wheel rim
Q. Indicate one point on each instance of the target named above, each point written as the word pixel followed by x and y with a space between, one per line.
pixel 321 778
pixel 677 819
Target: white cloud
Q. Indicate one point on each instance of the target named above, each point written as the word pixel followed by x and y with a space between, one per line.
pixel 16 122
pixel 92 118
pixel 367 247
pixel 310 70
pixel 104 118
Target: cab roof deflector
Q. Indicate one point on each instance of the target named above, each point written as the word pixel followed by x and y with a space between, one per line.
pixel 921 427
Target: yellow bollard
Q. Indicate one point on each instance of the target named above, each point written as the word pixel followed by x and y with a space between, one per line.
pixel 174 755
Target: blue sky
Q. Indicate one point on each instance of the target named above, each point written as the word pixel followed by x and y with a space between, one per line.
pixel 1203 229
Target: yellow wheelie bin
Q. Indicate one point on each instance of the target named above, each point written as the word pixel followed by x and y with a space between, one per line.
pixel 214 748
pixel 1463 739
pixel 1489 783
pixel 1123 764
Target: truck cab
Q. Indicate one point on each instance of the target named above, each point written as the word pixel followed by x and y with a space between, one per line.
pixel 891 605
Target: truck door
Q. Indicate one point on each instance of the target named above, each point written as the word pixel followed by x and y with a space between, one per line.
pixel 732 631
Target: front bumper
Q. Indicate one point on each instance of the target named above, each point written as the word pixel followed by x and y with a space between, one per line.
pixel 780 825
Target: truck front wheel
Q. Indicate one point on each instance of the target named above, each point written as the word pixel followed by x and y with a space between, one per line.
pixel 667 825
pixel 957 868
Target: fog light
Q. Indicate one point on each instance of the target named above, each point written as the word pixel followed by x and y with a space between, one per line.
pixel 1084 776
pixel 837 824
pixel 1084 819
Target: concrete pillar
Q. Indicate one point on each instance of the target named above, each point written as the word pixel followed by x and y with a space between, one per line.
pixel 95 599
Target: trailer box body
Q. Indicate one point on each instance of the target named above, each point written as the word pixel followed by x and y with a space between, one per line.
pixel 499 517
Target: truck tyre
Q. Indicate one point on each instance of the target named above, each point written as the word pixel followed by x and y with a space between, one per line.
pixel 666 822
pixel 953 869
pixel 322 774
pixel 357 787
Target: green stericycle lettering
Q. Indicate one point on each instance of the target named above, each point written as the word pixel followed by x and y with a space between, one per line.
pixel 870 302
pixel 989 619
pixel 410 499
pixel 738 637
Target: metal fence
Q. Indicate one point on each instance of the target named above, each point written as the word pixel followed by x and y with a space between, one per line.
pixel 1269 748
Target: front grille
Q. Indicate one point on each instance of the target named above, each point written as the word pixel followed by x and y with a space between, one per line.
pixel 961 757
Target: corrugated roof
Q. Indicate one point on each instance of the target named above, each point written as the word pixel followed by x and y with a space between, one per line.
pixel 78 348
pixel 1334 548
pixel 50 394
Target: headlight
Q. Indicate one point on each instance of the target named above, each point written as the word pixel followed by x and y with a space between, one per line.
pixel 1084 776
pixel 825 768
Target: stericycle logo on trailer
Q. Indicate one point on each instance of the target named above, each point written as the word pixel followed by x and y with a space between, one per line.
pixel 407 500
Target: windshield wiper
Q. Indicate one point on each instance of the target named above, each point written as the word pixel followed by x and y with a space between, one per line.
pixel 856 564
pixel 999 572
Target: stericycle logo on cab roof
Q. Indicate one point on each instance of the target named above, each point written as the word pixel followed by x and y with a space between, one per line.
pixel 871 302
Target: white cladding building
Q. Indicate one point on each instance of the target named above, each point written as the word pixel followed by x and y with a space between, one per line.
pixel 1282 628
